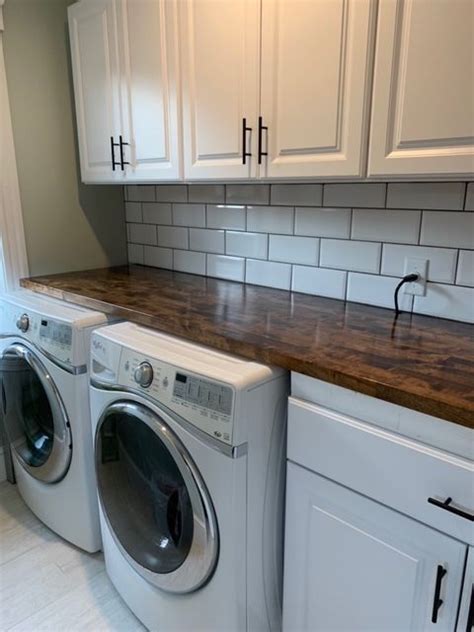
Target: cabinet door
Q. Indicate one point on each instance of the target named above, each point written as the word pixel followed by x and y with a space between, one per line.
pixel 352 564
pixel 423 101
pixel 94 55
pixel 466 612
pixel 150 89
pixel 316 71
pixel 220 61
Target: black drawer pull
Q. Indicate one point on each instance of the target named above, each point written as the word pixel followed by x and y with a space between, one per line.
pixel 437 601
pixel 122 161
pixel 245 153
pixel 261 127
pixel 448 506
pixel 112 151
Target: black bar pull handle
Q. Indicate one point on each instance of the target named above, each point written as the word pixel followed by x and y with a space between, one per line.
pixel 122 161
pixel 112 152
pixel 452 508
pixel 245 153
pixel 437 601
pixel 470 614
pixel 261 127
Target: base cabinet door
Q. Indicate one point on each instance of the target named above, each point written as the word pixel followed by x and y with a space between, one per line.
pixel 423 101
pixel 352 564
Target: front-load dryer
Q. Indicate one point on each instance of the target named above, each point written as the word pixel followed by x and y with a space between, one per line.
pixel 44 356
pixel 189 453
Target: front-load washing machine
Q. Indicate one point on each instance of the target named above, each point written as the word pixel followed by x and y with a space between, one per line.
pixel 189 455
pixel 44 356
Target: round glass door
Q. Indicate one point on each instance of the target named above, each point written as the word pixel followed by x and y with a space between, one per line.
pixel 35 418
pixel 154 500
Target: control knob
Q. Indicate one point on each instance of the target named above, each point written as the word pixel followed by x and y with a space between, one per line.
pixel 23 323
pixel 144 374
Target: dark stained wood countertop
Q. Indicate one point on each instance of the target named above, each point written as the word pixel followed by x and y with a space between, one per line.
pixel 423 363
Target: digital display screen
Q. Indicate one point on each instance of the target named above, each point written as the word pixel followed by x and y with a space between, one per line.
pixel 203 393
pixel 56 332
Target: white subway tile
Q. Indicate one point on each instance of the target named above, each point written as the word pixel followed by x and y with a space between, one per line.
pixel 469 204
pixel 206 240
pixel 157 212
pixel 376 290
pixel 207 193
pixel 133 212
pixel 171 193
pixel 446 301
pixel 455 230
pixel 268 273
pixel 159 257
pixel 270 219
pixel 189 215
pixel 441 261
pixel 140 193
pixel 297 194
pixel 323 222
pixel 135 253
pixel 172 237
pixel 357 194
pixel 389 226
pixel 187 261
pixel 294 249
pixel 319 281
pixel 361 256
pixel 247 193
pixel 422 195
pixel 222 216
pixel 142 233
pixel 232 268
pixel 252 245
pixel 465 274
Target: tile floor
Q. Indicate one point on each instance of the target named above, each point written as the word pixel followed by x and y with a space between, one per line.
pixel 49 584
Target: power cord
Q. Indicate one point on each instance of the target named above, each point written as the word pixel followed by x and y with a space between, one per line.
pixel 408 278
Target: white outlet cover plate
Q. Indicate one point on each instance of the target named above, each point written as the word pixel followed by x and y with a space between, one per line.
pixel 418 266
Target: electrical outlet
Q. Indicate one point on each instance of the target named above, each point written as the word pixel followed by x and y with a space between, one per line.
pixel 417 266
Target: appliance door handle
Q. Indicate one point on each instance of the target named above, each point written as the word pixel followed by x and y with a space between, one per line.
pixel 245 153
pixel 448 505
pixel 261 127
pixel 437 601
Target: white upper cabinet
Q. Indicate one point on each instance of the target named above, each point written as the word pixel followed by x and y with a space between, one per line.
pixel 220 63
pixel 94 52
pixel 148 33
pixel 316 79
pixel 423 100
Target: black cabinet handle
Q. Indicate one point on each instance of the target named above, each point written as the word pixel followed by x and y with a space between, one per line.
pixel 112 152
pixel 470 614
pixel 122 161
pixel 437 601
pixel 245 129
pixel 261 127
pixel 449 506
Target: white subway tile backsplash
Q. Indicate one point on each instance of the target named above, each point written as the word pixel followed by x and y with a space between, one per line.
pixel 297 194
pixel 270 219
pixel 268 273
pixel 323 222
pixel 157 212
pixel 232 217
pixel 389 226
pixel 319 281
pixel 171 193
pixel 189 215
pixel 206 240
pixel 187 261
pixel 140 193
pixel 446 301
pixel 455 230
pixel 469 204
pixel 247 194
pixel 135 253
pixel 173 237
pixel 142 234
pixel 158 257
pixel 206 193
pixel 357 194
pixel 223 267
pixel 304 250
pixel 376 290
pixel 361 256
pixel 426 195
pixel 441 261
pixel 252 245
pixel 133 212
pixel 465 274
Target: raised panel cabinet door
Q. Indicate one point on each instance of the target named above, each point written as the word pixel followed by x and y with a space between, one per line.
pixel 423 97
pixel 148 35
pixel 316 78
pixel 352 564
pixel 220 62
pixel 466 611
pixel 94 56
